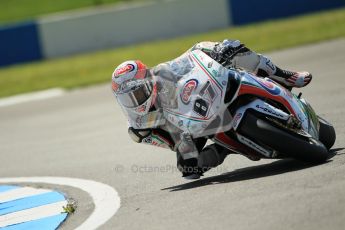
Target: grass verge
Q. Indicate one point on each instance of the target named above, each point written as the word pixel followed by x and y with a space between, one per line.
pixel 87 69
pixel 17 10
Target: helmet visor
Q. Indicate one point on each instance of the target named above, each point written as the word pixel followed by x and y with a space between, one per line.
pixel 135 93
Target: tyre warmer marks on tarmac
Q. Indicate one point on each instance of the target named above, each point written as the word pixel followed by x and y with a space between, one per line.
pixel 30 208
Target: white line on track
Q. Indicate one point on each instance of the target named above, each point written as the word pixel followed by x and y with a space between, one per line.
pixel 20 193
pixel 40 95
pixel 32 214
pixel 105 197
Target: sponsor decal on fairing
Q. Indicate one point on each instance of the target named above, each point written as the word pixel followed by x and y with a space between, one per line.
pixel 268 85
pixel 267 110
pixel 208 92
pixel 254 146
pixel 187 90
pixel 236 119
pixel 201 107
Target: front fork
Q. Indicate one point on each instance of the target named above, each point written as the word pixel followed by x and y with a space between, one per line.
pixel 313 120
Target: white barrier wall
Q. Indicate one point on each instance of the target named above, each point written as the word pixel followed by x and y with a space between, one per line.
pixel 107 27
pixel 116 27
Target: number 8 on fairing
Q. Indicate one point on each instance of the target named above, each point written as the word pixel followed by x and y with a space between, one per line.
pixel 201 107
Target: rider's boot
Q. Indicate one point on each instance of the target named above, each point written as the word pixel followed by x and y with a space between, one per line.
pixel 211 156
pixel 286 78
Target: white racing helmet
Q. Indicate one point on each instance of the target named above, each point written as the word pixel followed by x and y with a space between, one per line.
pixel 133 87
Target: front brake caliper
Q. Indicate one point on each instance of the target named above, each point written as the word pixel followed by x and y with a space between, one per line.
pixel 293 122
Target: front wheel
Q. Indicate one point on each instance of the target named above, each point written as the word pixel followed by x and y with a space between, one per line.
pixel 326 133
pixel 283 141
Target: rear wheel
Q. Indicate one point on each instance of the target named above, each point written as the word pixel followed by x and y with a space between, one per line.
pixel 326 133
pixel 283 141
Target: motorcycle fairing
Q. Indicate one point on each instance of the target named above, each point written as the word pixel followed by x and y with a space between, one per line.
pixel 261 107
pixel 200 97
pixel 266 88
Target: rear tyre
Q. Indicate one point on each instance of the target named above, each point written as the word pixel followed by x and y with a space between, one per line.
pixel 283 141
pixel 326 133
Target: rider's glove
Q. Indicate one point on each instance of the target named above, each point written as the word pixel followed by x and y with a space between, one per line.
pixel 138 135
pixel 225 51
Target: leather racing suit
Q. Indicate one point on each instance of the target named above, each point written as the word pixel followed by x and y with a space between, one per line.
pixel 193 158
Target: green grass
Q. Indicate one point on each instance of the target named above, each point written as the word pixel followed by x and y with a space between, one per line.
pixel 97 67
pixel 17 10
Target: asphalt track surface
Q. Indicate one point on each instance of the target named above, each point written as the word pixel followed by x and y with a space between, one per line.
pixel 83 134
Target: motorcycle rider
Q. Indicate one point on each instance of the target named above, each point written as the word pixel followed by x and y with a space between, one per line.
pixel 143 92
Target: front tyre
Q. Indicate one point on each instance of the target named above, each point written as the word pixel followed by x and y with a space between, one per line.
pixel 326 133
pixel 283 141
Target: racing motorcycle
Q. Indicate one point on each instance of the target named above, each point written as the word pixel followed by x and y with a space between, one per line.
pixel 248 115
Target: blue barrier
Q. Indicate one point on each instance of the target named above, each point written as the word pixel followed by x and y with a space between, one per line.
pixel 247 11
pixel 19 43
pixel 33 41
